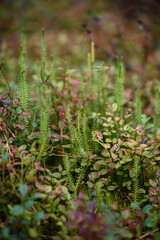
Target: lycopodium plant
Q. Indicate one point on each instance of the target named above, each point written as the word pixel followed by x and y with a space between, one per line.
pixel 38 73
pixel 23 83
pixel 157 115
pixel 78 132
pixel 91 61
pixel 69 175
pixel 92 53
pixel 80 148
pixel 136 184
pixel 72 128
pixel 22 78
pixel 102 79
pixel 83 98
pixel 23 42
pixel 73 182
pixel 44 128
pixel 43 55
pixel 46 73
pixel 52 71
pixel 138 108
pixel 85 137
pixel 101 99
pixel 120 87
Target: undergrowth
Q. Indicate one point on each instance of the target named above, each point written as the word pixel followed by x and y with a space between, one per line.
pixel 73 166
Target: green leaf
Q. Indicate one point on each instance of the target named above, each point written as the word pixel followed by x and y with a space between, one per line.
pixel 148 222
pixel 143 200
pixel 144 119
pixel 149 126
pixel 48 189
pixel 131 173
pixel 153 183
pixel 111 188
pixel 17 210
pixel 56 175
pixel 135 206
pixel 103 171
pixel 147 208
pixel 39 216
pixel 65 191
pixel 32 233
pixel 22 148
pixel 99 185
pixel 29 204
pixel 114 107
pixel 26 221
pixel 5 156
pixel 23 190
pixel 36 195
pixel 117 166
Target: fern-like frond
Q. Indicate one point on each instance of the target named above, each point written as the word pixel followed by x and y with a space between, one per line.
pixel 79 132
pixel 85 137
pixel 136 183
pixel 44 129
pixel 23 83
pixel 69 175
pixel 120 88
pixel 23 41
pixel 43 53
pixel 79 181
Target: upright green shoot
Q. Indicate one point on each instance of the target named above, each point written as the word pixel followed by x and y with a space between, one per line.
pixel 72 129
pixel 44 128
pixel 82 90
pixel 103 82
pixel 23 83
pixel 92 53
pixel 52 70
pixel 43 54
pixel 157 115
pixel 92 62
pixel 23 42
pixel 120 87
pixel 136 183
pixel 89 62
pixel 138 108
pixel 69 175
pixel 85 137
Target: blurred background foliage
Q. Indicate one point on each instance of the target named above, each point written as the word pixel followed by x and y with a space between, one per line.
pixel 120 27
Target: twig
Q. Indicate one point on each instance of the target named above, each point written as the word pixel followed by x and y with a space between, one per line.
pixel 2 65
pixel 151 232
pixel 9 130
pixel 7 146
